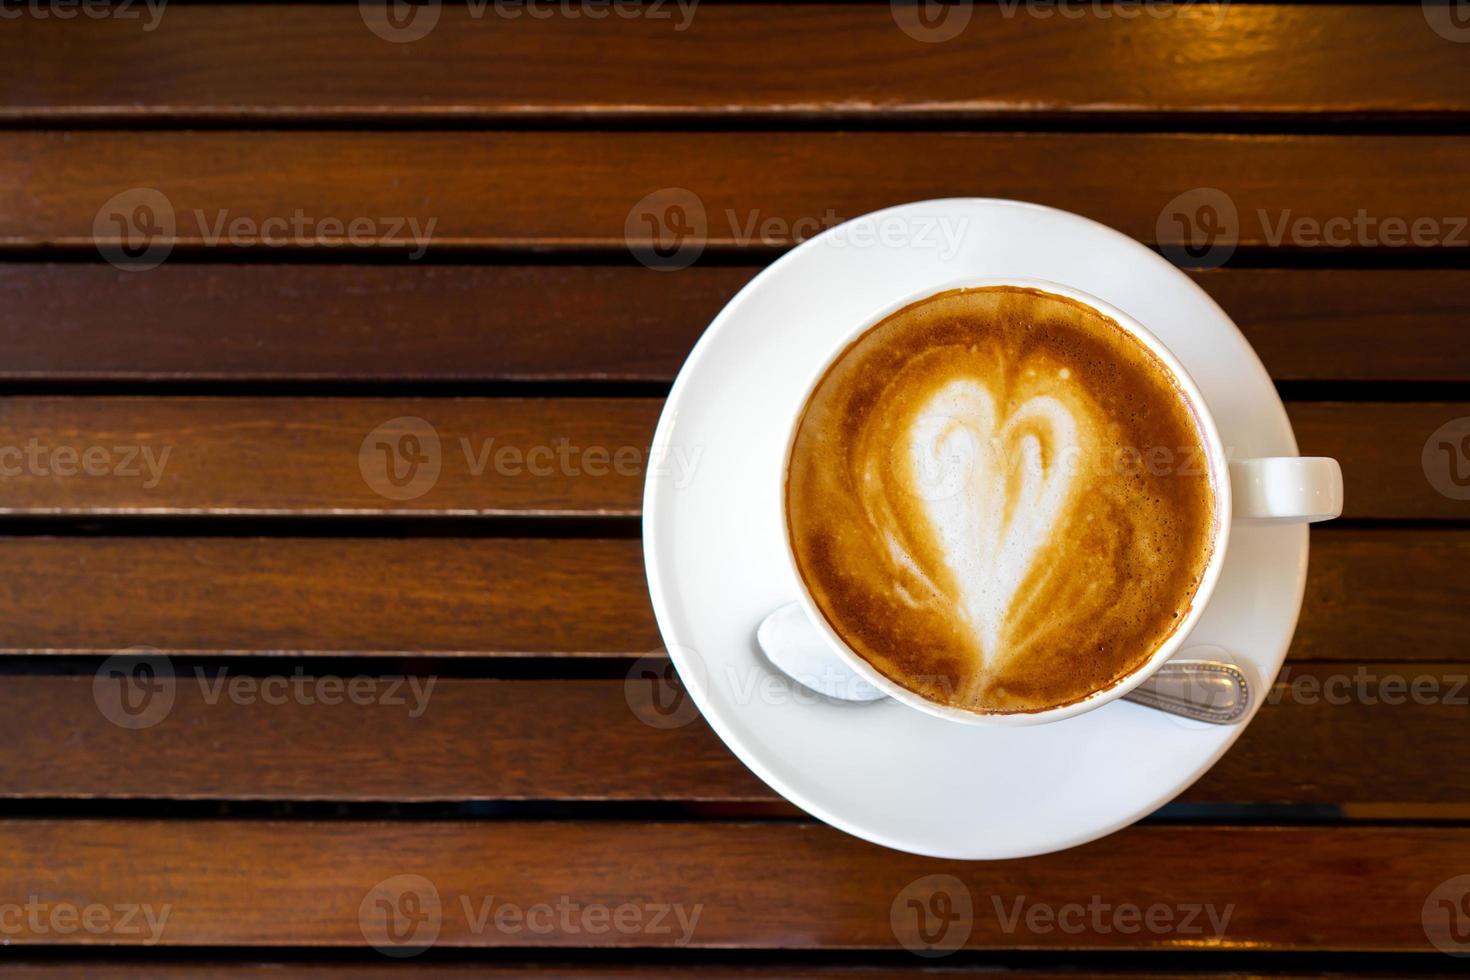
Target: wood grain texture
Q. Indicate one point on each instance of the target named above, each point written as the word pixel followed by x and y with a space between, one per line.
pixel 368 596
pixel 734 61
pixel 627 965
pixel 373 322
pixel 1389 590
pixel 328 456
pixel 1350 324
pixel 274 190
pixel 495 456
pixel 1126 115
pixel 1372 595
pixel 787 885
pixel 1378 733
pixel 421 323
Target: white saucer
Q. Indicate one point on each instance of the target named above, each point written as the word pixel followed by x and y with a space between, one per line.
pixel 712 544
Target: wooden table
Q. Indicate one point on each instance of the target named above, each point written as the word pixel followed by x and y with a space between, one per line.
pixel 276 763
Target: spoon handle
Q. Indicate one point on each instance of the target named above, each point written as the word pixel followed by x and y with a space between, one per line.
pixel 1205 690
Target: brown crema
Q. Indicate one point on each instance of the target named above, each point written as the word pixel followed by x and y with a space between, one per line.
pixel 1000 499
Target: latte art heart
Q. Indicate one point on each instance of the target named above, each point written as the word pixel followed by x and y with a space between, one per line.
pixel 1006 485
pixel 969 509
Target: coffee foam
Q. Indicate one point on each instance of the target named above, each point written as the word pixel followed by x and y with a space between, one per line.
pixel 965 510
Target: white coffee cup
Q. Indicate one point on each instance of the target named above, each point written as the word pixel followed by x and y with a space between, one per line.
pixel 1273 489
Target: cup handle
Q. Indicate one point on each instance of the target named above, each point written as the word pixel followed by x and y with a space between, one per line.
pixel 1286 489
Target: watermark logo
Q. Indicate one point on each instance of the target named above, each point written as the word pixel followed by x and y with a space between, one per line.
pixel 1450 19
pixel 134 229
pixel 399 21
pixel 936 461
pixel 933 915
pixel 1446 459
pixel 666 229
pixel 1446 916
pixel 1220 688
pixel 135 689
pixel 657 694
pixel 400 459
pixel 401 915
pixel 1198 228
pixel 931 21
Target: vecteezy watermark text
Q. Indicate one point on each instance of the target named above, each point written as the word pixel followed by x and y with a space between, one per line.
pixel 1365 686
pixel 1098 916
pixel 934 22
pixel 122 921
pixel 1109 9
pixel 403 458
pixel 669 228
pixel 407 691
pixel 128 462
pixel 302 230
pixel 569 917
pixel 138 689
pixel 401 22
pixel 136 229
pixel 89 9
pixel 936 469
pixel 1202 226
pixel 934 915
pixel 403 915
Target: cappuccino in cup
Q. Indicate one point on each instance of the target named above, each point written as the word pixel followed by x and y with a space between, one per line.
pixel 1001 500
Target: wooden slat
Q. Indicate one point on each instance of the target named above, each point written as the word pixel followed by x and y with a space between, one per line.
pixel 757 885
pixel 575 322
pixel 1385 594
pixel 83 962
pixel 416 322
pixel 562 456
pixel 733 61
pixel 1379 325
pixel 1371 595
pixel 755 189
pixel 446 738
pixel 451 739
pixel 370 596
pixel 328 456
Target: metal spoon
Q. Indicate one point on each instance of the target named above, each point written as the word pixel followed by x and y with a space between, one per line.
pixel 1205 690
